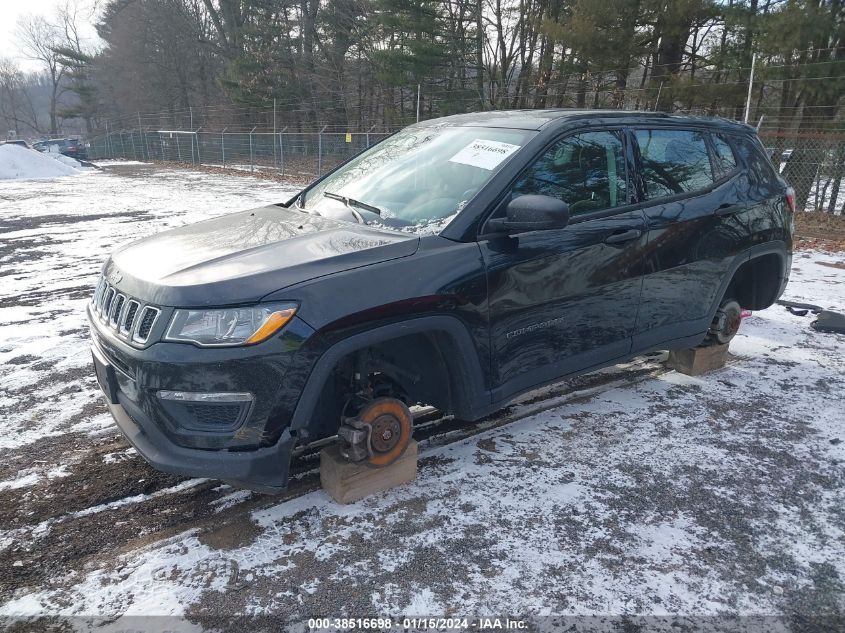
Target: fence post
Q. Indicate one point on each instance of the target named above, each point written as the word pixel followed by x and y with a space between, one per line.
pixel 197 137
pixel 282 151
pixel 223 145
pixel 320 151
pixel 251 159
pixel 179 148
pixel 147 143
pixel 368 136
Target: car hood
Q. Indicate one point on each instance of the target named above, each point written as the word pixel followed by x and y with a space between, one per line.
pixel 242 257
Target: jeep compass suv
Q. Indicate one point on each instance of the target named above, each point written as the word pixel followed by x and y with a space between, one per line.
pixel 456 264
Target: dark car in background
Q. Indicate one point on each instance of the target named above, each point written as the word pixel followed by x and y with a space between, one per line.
pixel 73 147
pixel 456 264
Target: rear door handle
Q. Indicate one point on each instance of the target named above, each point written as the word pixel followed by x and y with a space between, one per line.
pixel 624 236
pixel 729 209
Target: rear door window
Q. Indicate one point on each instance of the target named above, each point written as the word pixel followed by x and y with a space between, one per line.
pixel 587 171
pixel 673 162
pixel 724 161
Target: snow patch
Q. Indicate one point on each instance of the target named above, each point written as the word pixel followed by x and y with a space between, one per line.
pixel 20 482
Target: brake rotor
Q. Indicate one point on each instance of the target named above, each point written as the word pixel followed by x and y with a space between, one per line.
pixel 727 321
pixel 390 425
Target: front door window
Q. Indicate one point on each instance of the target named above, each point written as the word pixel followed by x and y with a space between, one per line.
pixel 587 171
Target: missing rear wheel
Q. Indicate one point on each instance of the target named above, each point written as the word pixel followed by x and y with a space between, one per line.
pixel 725 324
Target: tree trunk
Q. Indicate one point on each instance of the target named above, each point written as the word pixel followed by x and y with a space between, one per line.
pixel 838 169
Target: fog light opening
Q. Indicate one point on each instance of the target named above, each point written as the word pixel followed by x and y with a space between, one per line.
pixel 203 396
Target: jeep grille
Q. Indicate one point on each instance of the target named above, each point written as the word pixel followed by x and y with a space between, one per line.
pixel 128 317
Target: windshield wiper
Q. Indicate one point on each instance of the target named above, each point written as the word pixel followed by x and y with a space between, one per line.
pixel 351 202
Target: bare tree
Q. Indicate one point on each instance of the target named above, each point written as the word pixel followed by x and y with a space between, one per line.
pixel 16 108
pixel 76 56
pixel 40 40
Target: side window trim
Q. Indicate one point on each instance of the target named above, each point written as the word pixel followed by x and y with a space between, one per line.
pixel 636 169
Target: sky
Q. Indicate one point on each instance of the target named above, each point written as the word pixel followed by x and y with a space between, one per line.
pixel 11 11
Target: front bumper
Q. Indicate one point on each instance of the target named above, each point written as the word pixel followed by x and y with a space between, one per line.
pixel 255 452
pixel 263 469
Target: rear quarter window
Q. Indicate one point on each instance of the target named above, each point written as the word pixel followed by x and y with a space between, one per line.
pixel 760 170
pixel 673 161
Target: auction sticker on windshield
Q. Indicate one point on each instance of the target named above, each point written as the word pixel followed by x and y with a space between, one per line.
pixel 484 154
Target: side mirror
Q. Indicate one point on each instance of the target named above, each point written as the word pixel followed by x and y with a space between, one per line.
pixel 532 213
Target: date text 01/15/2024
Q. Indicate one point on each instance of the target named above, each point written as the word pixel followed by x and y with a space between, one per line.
pixel 418 623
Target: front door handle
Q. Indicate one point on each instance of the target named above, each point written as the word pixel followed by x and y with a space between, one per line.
pixel 624 236
pixel 729 209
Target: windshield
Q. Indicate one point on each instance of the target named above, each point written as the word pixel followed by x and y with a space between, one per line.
pixel 418 179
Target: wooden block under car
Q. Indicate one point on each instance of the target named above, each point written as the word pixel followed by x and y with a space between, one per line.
pixel 695 361
pixel 348 482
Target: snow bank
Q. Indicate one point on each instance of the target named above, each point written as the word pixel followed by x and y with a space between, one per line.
pixel 66 160
pixel 20 163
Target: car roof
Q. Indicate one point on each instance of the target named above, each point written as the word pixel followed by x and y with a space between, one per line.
pixel 538 119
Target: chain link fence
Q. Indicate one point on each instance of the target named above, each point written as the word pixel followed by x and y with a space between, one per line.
pixel 812 162
pixel 297 154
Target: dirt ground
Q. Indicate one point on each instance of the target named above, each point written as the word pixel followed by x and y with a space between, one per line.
pixel 820 231
pixel 633 492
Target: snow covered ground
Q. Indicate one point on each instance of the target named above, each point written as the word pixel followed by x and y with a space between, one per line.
pixel 654 494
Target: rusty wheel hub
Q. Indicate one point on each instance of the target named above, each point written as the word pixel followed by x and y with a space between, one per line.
pixel 379 434
pixel 386 433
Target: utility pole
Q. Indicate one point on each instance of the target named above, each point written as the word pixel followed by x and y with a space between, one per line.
pixel 750 84
pixel 659 90
pixel 418 103
pixel 141 133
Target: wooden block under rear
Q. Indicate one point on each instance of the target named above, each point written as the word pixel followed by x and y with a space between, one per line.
pixel 348 482
pixel 695 361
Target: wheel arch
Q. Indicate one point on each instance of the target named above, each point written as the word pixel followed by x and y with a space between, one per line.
pixel 770 260
pixel 468 394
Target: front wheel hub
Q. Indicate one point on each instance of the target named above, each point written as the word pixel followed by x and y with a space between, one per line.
pixel 379 434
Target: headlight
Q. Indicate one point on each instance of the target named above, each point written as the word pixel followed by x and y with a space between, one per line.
pixel 231 326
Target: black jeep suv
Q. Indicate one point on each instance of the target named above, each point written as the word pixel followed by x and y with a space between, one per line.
pixel 457 264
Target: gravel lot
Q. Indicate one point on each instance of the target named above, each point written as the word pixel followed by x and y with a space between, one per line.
pixel 636 491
